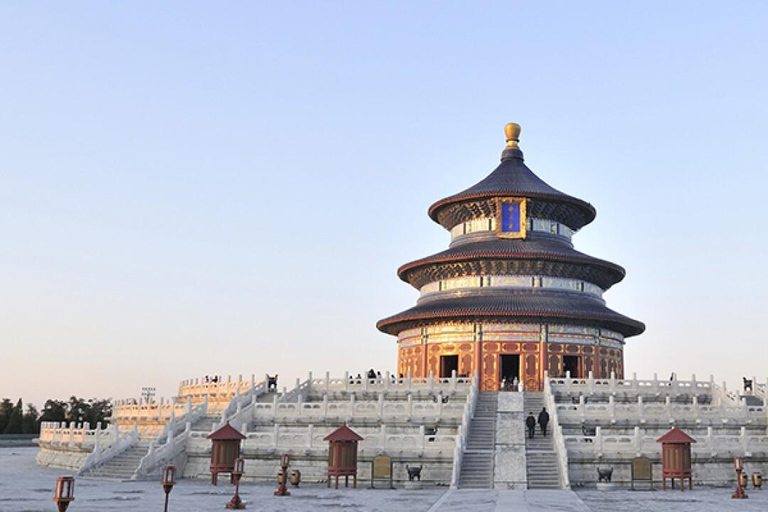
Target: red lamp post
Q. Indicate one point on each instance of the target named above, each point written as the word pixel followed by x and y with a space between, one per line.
pixel 168 481
pixel 739 494
pixel 236 503
pixel 64 492
pixel 282 488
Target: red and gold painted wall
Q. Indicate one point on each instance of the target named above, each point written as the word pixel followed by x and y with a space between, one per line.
pixel 479 348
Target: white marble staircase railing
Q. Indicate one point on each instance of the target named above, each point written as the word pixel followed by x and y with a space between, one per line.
pixel 461 439
pixel 175 433
pixel 102 452
pixel 241 407
pixel 561 450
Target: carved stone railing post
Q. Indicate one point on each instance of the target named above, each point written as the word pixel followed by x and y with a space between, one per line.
pixel 668 409
pixel 612 409
pixel 599 441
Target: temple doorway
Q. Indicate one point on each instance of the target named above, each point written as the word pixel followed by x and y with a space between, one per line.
pixel 510 368
pixel 448 364
pixel 571 364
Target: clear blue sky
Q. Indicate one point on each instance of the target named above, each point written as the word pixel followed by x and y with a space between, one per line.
pixel 191 188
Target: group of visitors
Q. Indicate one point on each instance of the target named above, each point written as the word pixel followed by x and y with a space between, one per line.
pixel 530 422
pixel 511 385
pixel 370 375
pixel 212 380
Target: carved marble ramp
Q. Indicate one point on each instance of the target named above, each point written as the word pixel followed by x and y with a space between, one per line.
pixel 477 464
pixel 542 469
pixel 122 466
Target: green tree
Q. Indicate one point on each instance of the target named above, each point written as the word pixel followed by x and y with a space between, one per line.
pixel 30 424
pixel 6 410
pixel 15 420
pixel 54 410
pixel 99 411
pixel 77 410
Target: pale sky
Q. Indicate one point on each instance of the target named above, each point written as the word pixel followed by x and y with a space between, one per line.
pixel 193 188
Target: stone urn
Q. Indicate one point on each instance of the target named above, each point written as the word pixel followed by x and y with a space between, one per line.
pixel 295 478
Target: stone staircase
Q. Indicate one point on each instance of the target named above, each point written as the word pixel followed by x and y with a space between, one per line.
pixel 123 466
pixel 542 470
pixel 205 424
pixel 477 463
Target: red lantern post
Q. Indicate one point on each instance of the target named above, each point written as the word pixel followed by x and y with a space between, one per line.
pixel 342 455
pixel 282 488
pixel 739 494
pixel 676 458
pixel 236 503
pixel 168 481
pixel 64 492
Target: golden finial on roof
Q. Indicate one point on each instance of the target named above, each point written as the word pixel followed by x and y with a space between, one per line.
pixel 512 130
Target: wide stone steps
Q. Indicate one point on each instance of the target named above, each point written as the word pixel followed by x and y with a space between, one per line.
pixel 205 424
pixel 121 467
pixel 542 468
pixel 477 463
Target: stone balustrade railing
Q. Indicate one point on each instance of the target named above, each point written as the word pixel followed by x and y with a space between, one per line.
pixel 128 411
pixel 667 412
pixel 219 394
pixel 389 382
pixel 639 443
pixel 461 438
pixel 76 435
pixel 351 409
pixel 590 386
pixel 561 451
pixel 311 438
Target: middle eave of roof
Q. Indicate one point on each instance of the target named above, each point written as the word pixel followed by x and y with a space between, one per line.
pixel 534 248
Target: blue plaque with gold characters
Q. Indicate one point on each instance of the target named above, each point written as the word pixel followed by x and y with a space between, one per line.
pixel 511 219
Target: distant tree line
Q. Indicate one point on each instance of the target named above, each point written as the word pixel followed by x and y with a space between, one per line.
pixel 15 420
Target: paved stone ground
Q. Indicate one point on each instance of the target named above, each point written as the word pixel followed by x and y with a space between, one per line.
pixel 700 499
pixel 25 487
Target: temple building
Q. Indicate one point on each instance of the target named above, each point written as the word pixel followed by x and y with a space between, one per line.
pixel 511 298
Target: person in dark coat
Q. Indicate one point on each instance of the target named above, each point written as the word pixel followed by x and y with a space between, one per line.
pixel 530 422
pixel 543 420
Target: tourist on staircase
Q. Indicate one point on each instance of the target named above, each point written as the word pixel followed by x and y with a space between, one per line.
pixel 530 422
pixel 543 421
